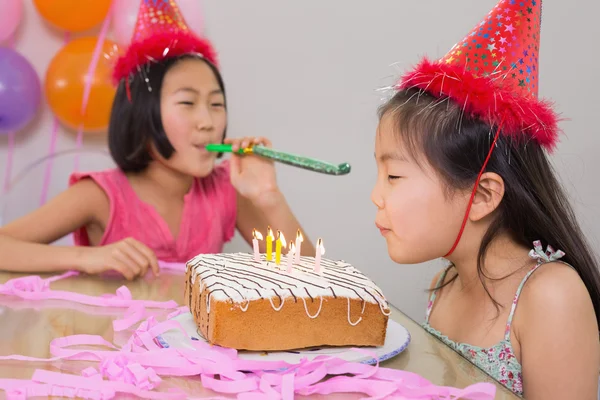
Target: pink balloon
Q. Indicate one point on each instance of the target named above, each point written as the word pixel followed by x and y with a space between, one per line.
pixel 125 14
pixel 11 12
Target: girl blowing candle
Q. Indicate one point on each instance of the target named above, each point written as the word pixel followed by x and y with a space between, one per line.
pixel 463 174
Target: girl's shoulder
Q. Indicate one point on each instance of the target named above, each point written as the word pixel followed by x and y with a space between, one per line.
pixel 554 301
pixel 554 284
pixel 102 178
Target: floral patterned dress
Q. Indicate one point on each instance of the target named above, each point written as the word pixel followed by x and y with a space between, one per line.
pixel 498 361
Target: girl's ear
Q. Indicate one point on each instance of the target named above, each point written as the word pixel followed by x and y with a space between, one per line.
pixel 488 196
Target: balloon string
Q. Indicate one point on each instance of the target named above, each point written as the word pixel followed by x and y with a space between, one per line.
pixel 89 80
pixel 9 161
pixel 22 174
pixel 52 149
pixel 11 139
pixel 48 172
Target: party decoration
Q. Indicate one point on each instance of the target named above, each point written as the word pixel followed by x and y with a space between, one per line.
pixel 11 12
pixel 66 83
pixel 160 32
pixel 136 366
pixel 73 15
pixel 286 158
pixel 493 73
pixel 20 90
pixel 126 13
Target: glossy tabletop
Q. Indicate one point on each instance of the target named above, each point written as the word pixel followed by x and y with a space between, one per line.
pixel 27 327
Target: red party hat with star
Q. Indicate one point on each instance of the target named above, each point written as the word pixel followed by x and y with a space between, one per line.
pixel 493 73
pixel 160 33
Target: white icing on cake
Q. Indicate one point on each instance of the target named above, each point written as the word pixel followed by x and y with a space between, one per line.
pixel 239 278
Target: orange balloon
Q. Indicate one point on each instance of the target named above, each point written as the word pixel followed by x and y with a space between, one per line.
pixel 66 80
pixel 73 15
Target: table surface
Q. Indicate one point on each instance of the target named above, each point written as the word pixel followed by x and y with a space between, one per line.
pixel 27 327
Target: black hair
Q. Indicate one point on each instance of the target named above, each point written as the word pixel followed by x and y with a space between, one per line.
pixel 534 206
pixel 135 118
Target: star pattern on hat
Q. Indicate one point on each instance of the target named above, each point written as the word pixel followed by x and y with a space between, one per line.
pixel 158 16
pixel 504 46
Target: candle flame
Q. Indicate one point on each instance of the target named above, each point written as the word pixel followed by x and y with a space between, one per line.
pixel 292 248
pixel 270 233
pixel 257 235
pixel 299 236
pixel 320 246
pixel 281 238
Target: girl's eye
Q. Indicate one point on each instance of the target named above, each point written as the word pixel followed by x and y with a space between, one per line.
pixel 218 105
pixel 187 103
pixel 393 177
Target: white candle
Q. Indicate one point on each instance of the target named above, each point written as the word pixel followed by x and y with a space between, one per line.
pixel 256 237
pixel 319 251
pixel 290 257
pixel 299 240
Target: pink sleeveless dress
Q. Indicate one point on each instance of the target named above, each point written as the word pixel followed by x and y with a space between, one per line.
pixel 208 218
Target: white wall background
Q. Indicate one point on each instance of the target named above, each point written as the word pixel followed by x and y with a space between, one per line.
pixel 305 74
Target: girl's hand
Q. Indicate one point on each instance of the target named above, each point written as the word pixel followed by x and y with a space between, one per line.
pixel 253 176
pixel 129 257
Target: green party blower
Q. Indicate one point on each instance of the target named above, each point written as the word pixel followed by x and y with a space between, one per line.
pixel 285 158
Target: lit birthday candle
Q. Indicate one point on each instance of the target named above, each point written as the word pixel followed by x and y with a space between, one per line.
pixel 278 244
pixel 256 236
pixel 319 251
pixel 299 240
pixel 290 257
pixel 270 238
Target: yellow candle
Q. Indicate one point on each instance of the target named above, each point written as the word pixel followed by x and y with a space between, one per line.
pixel 280 242
pixel 270 237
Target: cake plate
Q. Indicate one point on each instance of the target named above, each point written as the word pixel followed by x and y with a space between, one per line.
pixel 397 339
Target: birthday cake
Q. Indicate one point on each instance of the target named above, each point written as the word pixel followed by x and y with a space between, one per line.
pixel 239 302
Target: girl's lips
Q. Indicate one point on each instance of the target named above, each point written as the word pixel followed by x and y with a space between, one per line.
pixel 382 229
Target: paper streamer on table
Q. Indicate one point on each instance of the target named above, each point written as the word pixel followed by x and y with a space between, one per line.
pixel 138 366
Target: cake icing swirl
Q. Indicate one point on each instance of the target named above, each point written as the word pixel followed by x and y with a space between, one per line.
pixel 239 278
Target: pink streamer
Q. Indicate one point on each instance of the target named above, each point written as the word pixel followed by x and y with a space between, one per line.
pixel 138 369
pixel 35 288
pixel 171 266
pixel 138 366
pixel 88 81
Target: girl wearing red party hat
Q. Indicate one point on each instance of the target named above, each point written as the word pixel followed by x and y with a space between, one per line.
pixel 167 200
pixel 463 174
